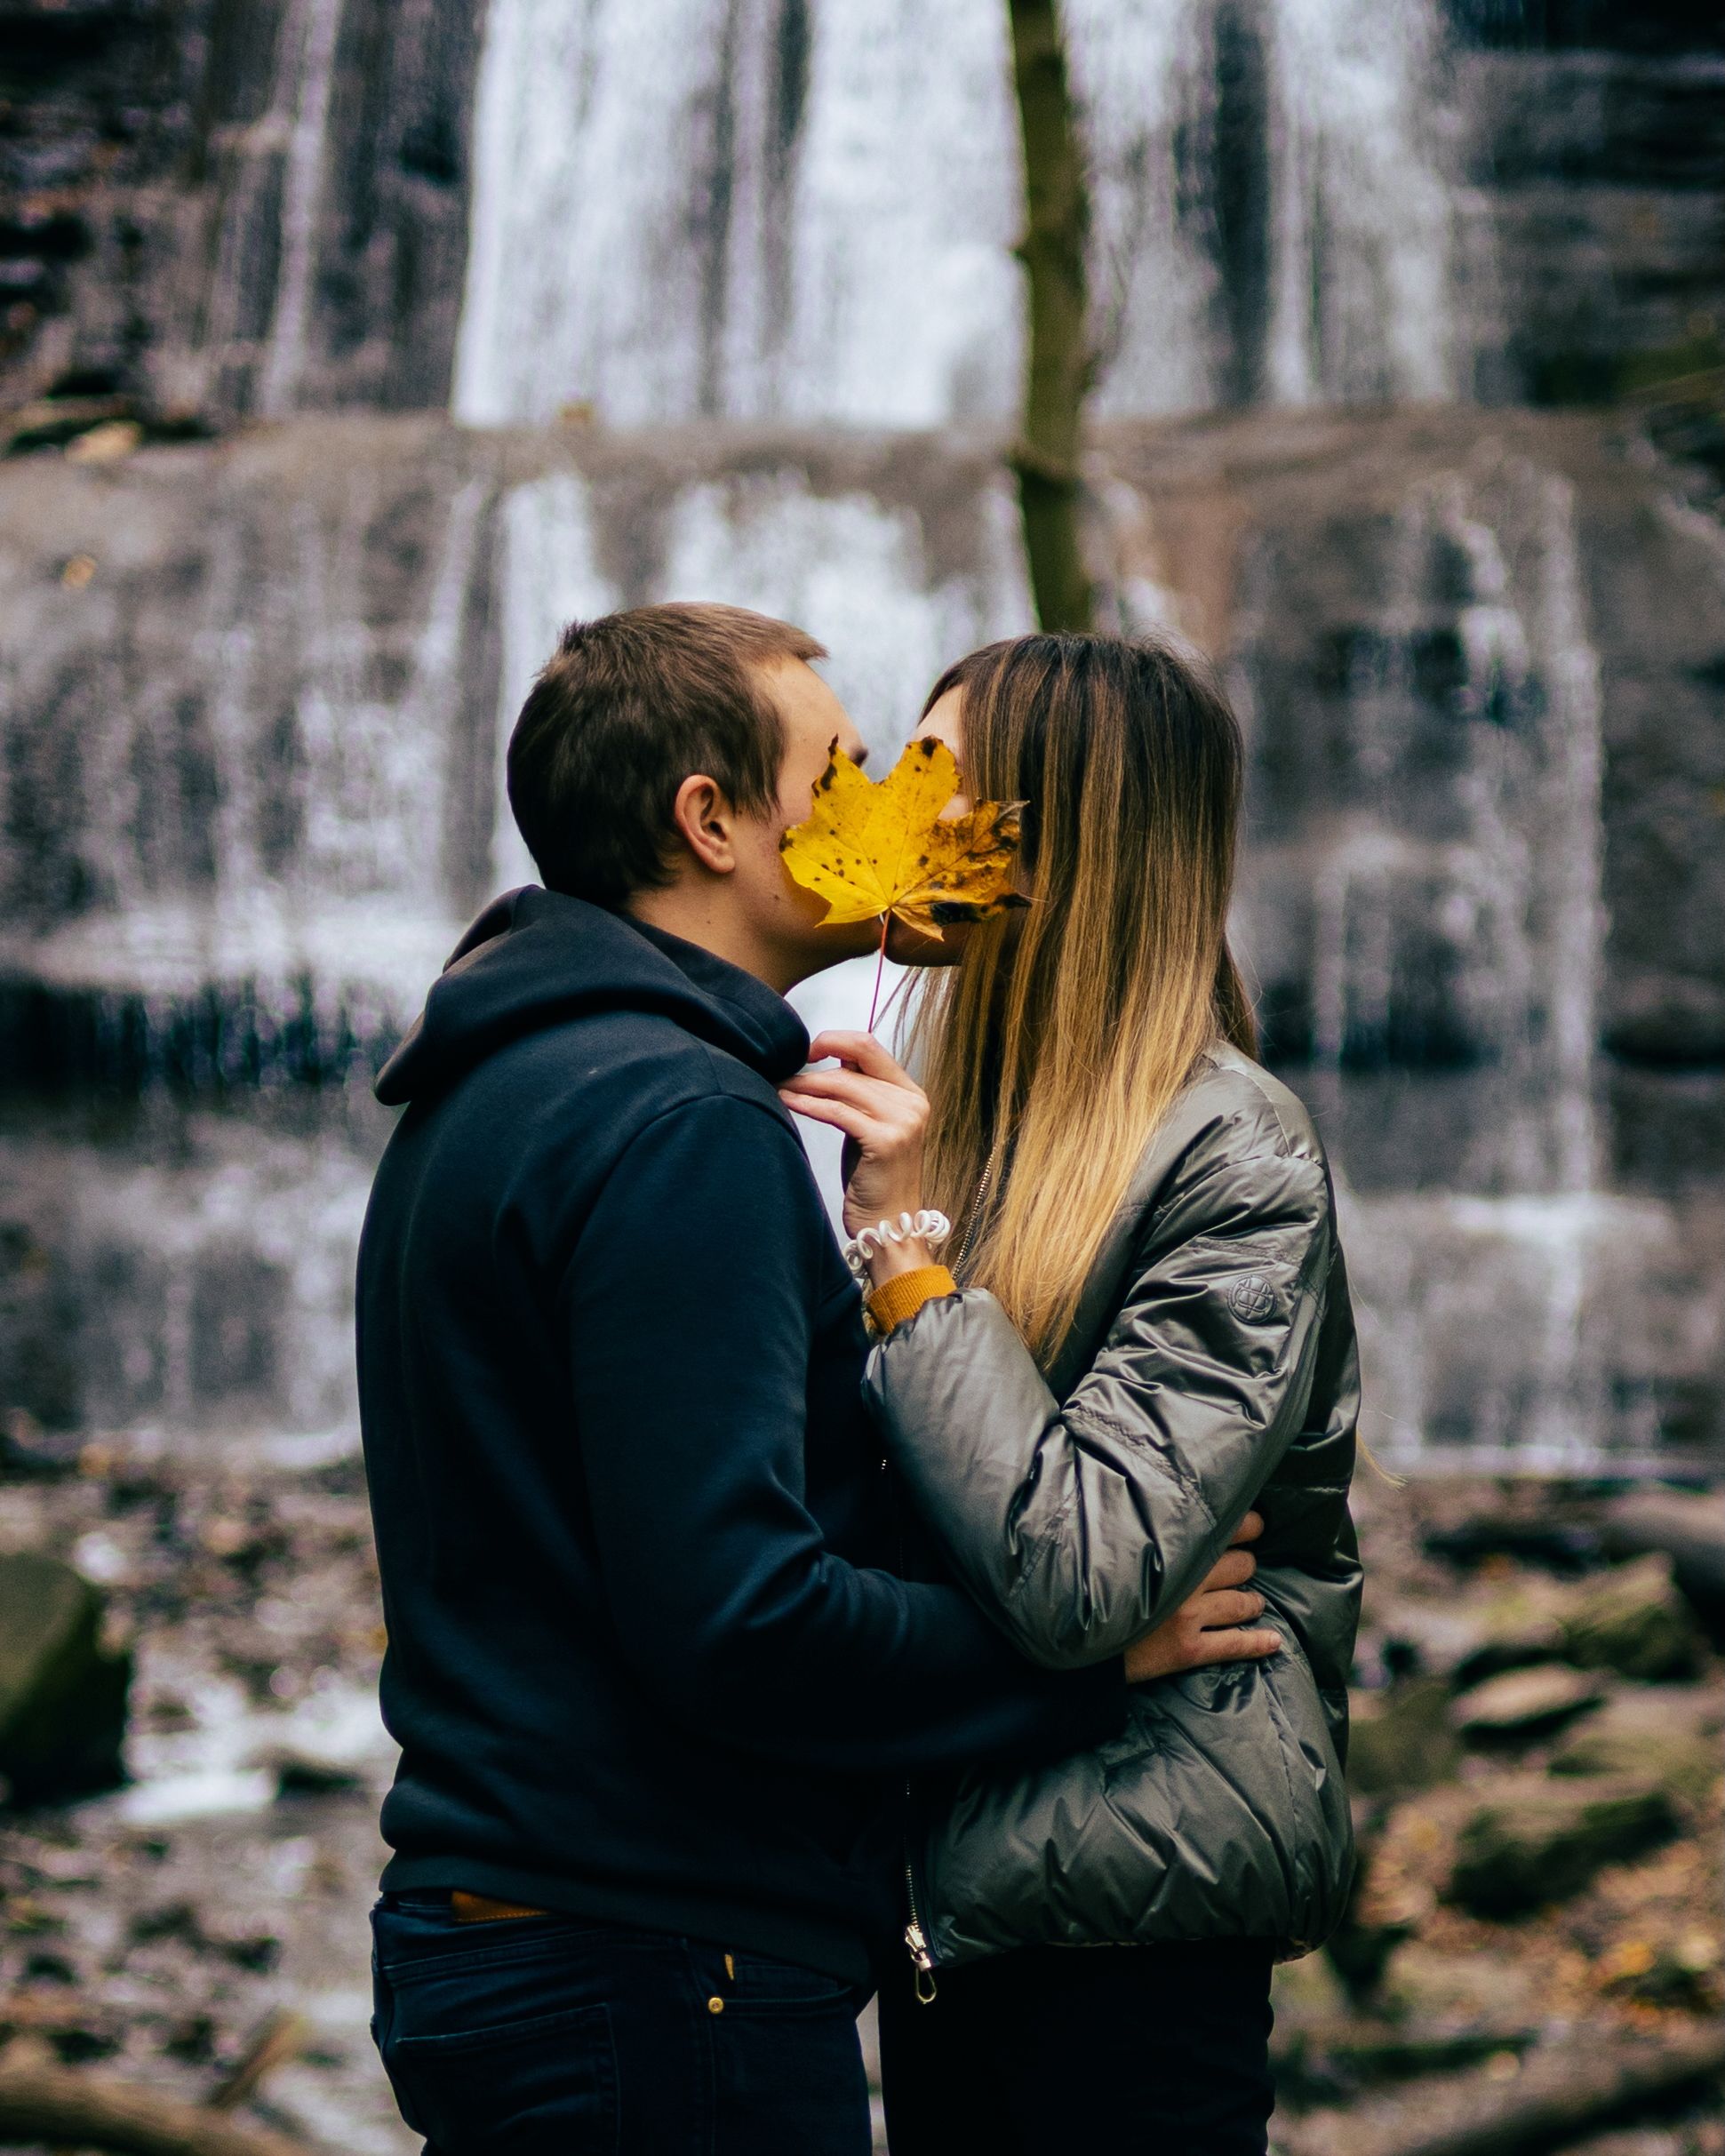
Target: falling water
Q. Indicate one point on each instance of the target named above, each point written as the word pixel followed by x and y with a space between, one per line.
pixel 1448 879
pixel 250 842
pixel 807 212
pixel 314 24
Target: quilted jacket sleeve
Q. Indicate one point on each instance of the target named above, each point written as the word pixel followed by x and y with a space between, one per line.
pixel 1080 1524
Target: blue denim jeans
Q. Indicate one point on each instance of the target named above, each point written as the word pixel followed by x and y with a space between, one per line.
pixel 542 2034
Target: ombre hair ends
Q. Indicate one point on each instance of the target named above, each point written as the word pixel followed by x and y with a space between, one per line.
pixel 1054 1051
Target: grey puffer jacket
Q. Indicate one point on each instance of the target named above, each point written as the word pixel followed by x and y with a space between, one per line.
pixel 1212 1369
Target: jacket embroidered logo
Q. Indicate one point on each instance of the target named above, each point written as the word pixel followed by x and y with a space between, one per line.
pixel 1251 1298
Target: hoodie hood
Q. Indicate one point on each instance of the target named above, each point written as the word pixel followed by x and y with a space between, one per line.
pixel 535 958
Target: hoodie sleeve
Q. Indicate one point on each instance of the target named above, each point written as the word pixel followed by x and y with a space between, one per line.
pixel 690 1305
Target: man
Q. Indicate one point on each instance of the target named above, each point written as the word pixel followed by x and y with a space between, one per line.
pixel 655 1680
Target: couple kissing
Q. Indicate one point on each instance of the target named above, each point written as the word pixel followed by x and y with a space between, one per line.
pixel 964 1616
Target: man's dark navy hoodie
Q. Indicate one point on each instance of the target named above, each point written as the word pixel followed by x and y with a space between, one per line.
pixel 645 1664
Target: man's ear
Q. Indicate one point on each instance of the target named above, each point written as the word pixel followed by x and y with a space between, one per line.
pixel 706 822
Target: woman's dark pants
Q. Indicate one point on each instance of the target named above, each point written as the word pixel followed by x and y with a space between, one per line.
pixel 536 2035
pixel 1159 2049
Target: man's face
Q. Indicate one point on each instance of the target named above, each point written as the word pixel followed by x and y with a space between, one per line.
pixel 781 910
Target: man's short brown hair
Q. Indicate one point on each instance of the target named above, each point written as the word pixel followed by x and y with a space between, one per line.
pixel 626 708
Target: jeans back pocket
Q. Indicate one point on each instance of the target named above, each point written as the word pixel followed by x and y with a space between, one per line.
pixel 547 2082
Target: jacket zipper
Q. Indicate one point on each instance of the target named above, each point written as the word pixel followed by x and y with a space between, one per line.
pixel 916 1938
pixel 983 1181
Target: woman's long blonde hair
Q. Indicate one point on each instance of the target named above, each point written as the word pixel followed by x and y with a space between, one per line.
pixel 1052 1053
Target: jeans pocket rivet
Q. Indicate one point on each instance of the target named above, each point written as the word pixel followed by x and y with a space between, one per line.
pixel 715 2006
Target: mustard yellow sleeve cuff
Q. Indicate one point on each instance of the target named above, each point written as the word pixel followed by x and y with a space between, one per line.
pixel 905 1293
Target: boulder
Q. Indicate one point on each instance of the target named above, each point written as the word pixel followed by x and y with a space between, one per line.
pixel 1560 1545
pixel 1668 1732
pixel 1435 1985
pixel 1689 1529
pixel 1511 1631
pixel 1634 1620
pixel 1530 1840
pixel 62 1695
pixel 1524 1704
pixel 1401 1740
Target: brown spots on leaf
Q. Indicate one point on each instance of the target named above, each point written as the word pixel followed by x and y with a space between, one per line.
pixel 900 853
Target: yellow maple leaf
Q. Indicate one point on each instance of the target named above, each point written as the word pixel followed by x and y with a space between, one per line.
pixel 875 851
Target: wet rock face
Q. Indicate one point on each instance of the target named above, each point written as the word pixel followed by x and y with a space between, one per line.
pixel 94 111
pixel 220 209
pixel 217 209
pixel 1649 27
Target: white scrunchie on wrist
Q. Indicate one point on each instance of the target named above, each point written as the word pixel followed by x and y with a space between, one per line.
pixel 929 1228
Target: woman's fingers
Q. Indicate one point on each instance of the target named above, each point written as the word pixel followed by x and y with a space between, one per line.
pixel 855 1122
pixel 866 1052
pixel 883 1101
pixel 1249 1530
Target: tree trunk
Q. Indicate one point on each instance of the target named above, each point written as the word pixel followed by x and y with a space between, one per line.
pixel 1045 457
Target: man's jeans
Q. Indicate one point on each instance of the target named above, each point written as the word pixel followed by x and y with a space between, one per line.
pixel 549 2033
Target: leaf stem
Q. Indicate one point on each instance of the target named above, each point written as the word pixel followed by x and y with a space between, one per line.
pixel 886 1008
pixel 880 971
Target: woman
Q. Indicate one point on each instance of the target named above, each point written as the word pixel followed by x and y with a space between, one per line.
pixel 1149 1333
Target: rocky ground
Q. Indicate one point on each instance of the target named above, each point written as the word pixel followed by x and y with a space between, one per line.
pixel 1537 1770
pixel 1537 1776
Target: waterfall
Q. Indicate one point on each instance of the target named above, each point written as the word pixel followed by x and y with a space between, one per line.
pixel 742 320
pixel 1426 896
pixel 1361 303
pixel 196 1279
pixel 233 848
pixel 315 26
pixel 686 208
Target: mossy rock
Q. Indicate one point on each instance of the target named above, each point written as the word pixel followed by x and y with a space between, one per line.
pixel 1533 1840
pixel 1668 1732
pixel 1401 1740
pixel 1513 1630
pixel 62 1697
pixel 1524 1704
pixel 1634 1620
